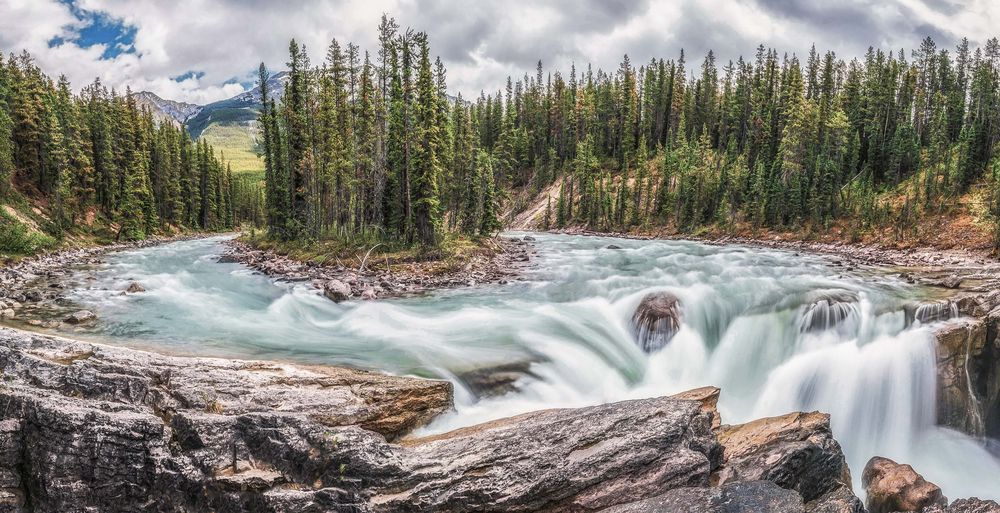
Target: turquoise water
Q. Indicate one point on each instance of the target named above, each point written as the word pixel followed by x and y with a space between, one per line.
pixel 743 312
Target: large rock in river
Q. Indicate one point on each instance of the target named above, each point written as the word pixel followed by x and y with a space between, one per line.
pixel 894 487
pixel 656 320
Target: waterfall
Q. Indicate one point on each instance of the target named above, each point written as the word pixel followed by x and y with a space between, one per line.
pixel 776 332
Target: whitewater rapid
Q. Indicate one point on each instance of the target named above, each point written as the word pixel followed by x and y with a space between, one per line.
pixel 743 330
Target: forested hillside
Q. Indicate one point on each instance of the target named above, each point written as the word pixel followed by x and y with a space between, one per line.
pixel 366 143
pixel 96 163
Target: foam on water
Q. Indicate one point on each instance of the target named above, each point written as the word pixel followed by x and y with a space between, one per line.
pixel 777 331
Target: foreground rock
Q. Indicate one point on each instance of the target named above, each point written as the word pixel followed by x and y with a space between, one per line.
pixel 796 451
pixel 894 487
pixel 559 460
pixel 86 427
pixel 973 505
pixel 740 497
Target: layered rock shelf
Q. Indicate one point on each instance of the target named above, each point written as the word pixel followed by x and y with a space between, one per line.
pixel 89 427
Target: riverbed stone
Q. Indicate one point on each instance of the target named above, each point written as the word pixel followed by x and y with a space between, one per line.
pixel 892 487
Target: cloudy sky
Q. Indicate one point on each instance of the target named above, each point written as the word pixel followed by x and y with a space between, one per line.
pixel 205 50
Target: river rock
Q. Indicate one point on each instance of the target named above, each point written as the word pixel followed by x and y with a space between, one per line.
pixel 134 288
pixel 895 487
pixel 7 313
pixel 495 380
pixel 368 294
pixel 81 317
pixel 656 320
pixel 336 290
pixel 796 451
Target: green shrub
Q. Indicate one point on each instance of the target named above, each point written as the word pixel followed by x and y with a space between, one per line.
pixel 16 239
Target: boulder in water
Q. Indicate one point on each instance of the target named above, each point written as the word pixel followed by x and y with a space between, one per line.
pixel 612 246
pixel 134 288
pixel 496 380
pixel 528 238
pixel 935 311
pixel 951 282
pixel 336 290
pixel 656 320
pixel 828 312
pixel 896 487
pixel 81 317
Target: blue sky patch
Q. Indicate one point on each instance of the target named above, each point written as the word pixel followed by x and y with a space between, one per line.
pixel 187 75
pixel 99 28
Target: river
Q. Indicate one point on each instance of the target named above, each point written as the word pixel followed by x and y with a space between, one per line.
pixel 743 312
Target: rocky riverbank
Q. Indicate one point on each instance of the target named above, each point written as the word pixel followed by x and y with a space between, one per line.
pixel 373 279
pixel 88 427
pixel 32 291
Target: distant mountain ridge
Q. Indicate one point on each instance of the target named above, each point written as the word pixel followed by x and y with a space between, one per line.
pixel 229 125
pixel 169 110
pixel 198 117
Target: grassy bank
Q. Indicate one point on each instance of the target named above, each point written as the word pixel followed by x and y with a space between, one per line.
pixel 450 256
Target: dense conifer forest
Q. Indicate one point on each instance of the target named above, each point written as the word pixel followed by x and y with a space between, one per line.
pixel 95 158
pixel 372 147
pixel 374 144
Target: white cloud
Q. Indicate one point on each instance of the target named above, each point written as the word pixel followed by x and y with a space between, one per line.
pixel 481 42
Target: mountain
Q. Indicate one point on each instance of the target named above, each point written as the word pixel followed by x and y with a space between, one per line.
pixel 241 109
pixel 229 125
pixel 168 110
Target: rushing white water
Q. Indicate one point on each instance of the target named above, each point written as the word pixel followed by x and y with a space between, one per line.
pixel 749 327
